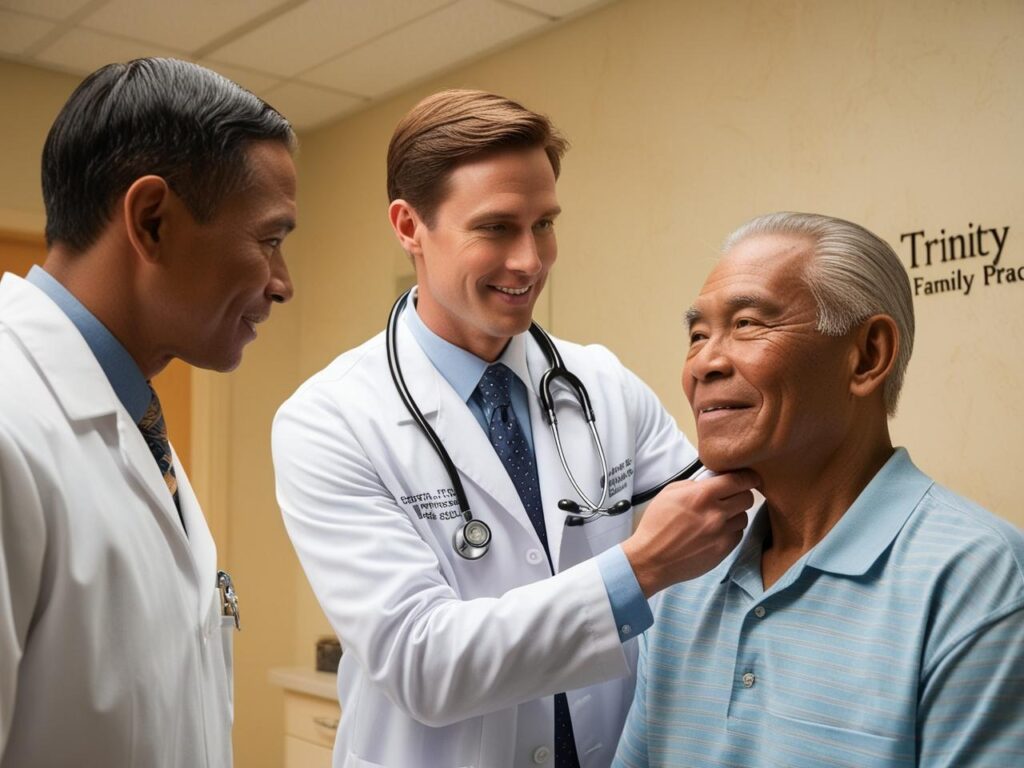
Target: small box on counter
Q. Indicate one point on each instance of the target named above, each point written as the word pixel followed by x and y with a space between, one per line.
pixel 328 654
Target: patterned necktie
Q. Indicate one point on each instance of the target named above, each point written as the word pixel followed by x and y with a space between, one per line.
pixel 154 429
pixel 509 441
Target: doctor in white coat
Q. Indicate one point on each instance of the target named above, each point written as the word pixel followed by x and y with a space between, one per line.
pixel 164 222
pixel 524 656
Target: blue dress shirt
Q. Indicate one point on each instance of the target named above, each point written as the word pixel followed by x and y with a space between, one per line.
pixel 463 370
pixel 122 372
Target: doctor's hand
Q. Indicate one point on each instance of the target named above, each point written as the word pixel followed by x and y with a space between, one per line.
pixel 689 528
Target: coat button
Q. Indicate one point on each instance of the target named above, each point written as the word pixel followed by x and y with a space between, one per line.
pixel 541 755
pixel 534 556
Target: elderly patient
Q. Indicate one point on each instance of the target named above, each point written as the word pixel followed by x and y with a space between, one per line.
pixel 871 617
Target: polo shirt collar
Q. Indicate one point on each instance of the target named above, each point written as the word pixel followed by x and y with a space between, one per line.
pixel 856 542
pixel 871 524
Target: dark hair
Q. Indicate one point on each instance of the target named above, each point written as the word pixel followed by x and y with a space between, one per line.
pixel 164 117
pixel 453 127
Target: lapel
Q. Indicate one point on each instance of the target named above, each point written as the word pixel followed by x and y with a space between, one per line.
pixel 459 431
pixel 204 550
pixel 80 386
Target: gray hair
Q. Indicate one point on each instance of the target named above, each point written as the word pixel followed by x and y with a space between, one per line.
pixel 853 275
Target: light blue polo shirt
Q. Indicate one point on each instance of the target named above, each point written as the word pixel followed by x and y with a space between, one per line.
pixel 122 371
pixel 897 641
pixel 463 371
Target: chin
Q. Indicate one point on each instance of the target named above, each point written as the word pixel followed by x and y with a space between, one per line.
pixel 721 459
pixel 224 363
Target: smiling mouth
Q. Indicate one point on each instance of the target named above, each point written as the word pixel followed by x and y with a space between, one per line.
pixel 512 291
pixel 252 321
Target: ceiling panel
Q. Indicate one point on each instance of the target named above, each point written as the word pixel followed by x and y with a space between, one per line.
pixel 307 106
pixel 436 42
pixel 83 51
pixel 185 25
pixel 18 31
pixel 318 30
pixel 558 8
pixel 315 59
pixel 50 9
pixel 251 81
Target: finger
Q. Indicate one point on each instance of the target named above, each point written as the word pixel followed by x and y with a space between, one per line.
pixel 730 483
pixel 737 522
pixel 743 500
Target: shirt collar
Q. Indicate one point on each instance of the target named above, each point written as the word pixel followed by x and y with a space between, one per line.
pixel 122 372
pixel 460 368
pixel 871 524
pixel 853 545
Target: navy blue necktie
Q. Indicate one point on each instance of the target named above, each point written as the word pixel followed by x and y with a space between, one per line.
pixel 509 441
pixel 154 429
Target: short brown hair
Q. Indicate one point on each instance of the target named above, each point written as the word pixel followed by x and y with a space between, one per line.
pixel 453 127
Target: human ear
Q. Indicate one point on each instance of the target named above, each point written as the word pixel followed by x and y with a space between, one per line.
pixel 876 343
pixel 145 205
pixel 406 224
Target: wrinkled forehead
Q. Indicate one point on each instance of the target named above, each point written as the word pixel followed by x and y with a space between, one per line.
pixel 759 270
pixel 778 260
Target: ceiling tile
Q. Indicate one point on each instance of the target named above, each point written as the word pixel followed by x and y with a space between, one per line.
pixel 83 51
pixel 18 32
pixel 318 30
pixel 184 25
pixel 428 46
pixel 558 8
pixel 307 106
pixel 251 81
pixel 50 9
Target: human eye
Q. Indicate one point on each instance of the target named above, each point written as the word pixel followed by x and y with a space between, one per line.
pixel 495 228
pixel 544 225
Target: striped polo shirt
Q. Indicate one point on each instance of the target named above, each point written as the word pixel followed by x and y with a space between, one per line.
pixel 897 641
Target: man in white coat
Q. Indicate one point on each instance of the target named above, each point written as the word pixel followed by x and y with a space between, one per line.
pixel 526 654
pixel 168 191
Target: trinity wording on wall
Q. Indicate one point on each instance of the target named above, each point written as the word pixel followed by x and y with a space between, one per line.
pixel 960 262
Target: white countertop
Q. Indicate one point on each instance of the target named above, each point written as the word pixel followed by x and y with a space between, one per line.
pixel 305 680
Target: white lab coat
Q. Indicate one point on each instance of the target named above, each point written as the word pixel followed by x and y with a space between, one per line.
pixel 449 662
pixel 112 651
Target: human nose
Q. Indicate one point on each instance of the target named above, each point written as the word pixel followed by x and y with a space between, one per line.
pixel 525 256
pixel 279 287
pixel 709 360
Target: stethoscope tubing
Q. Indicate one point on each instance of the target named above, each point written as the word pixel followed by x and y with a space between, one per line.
pixel 472 538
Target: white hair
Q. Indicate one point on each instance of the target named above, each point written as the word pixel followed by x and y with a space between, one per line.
pixel 853 275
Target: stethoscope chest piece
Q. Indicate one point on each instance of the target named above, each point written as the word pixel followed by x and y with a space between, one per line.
pixel 472 539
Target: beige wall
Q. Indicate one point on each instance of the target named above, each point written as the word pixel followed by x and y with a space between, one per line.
pixel 32 98
pixel 686 117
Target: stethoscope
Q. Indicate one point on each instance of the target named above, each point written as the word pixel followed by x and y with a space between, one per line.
pixel 473 537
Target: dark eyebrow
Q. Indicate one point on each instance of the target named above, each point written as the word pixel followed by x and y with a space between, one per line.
pixel 500 215
pixel 287 223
